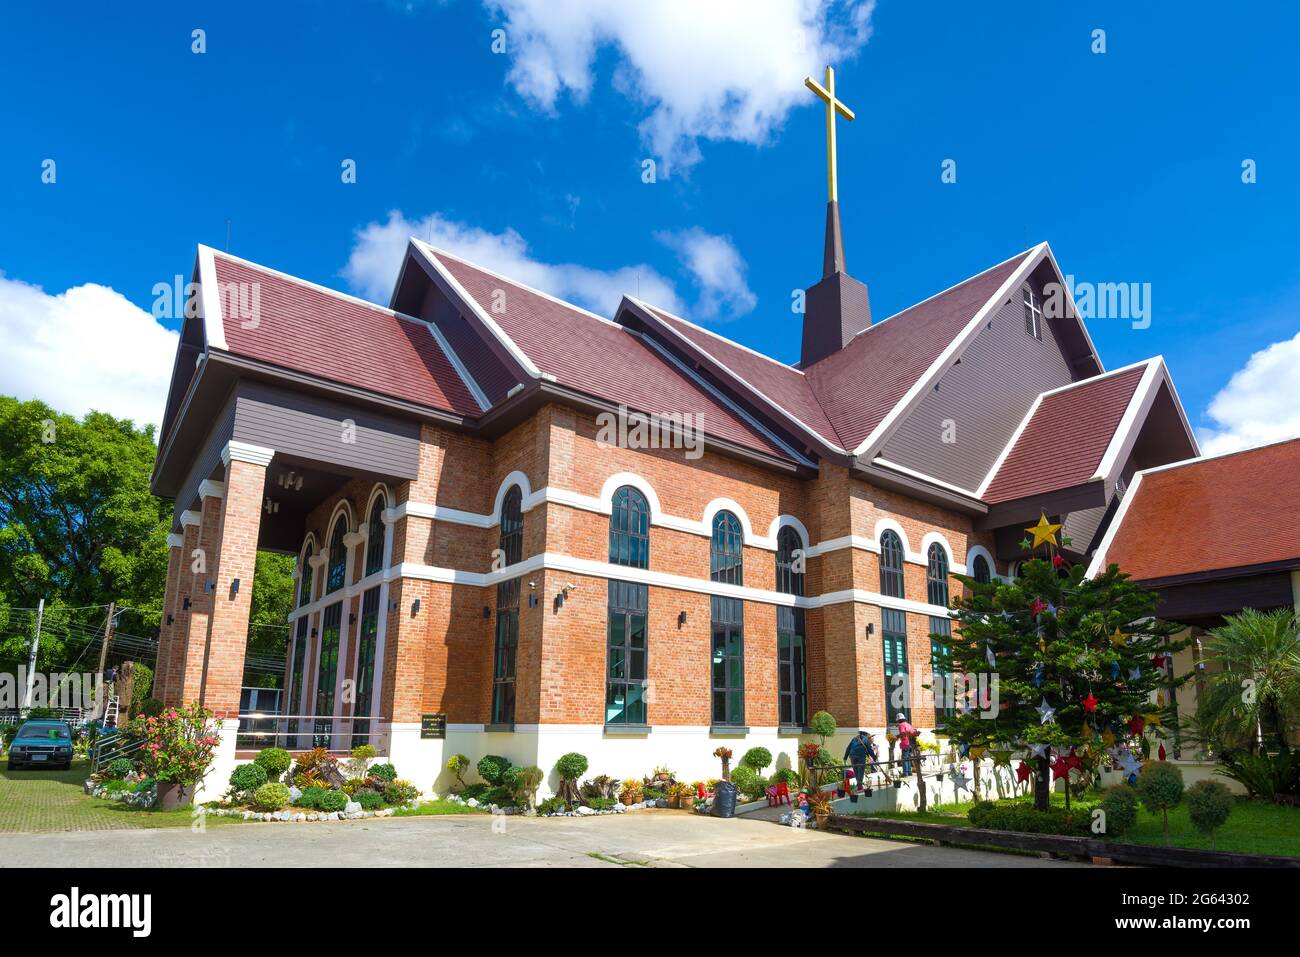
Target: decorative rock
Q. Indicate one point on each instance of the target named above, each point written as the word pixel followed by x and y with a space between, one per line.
pixel 472 802
pixel 352 808
pixel 294 794
pixel 586 811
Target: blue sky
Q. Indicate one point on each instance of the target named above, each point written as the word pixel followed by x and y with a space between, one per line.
pixel 1128 162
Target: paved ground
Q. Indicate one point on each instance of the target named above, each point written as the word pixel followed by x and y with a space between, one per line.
pixel 638 839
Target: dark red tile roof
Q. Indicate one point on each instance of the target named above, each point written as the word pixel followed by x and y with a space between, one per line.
pixel 783 385
pixel 331 336
pixel 1066 437
pixel 1212 514
pixel 598 357
pixel 859 385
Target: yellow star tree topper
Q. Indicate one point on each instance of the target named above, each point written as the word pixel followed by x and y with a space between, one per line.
pixel 1044 532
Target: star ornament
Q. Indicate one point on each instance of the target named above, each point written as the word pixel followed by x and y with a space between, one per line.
pixel 1046 713
pixel 1044 532
pixel 1023 772
pixel 1090 703
pixel 1118 638
pixel 1001 758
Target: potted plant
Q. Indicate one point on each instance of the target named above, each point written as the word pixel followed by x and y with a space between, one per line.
pixel 176 752
pixel 820 803
pixel 631 793
pixel 725 755
pixel 686 796
pixel 663 773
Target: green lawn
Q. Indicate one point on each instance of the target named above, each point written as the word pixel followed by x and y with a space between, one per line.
pixel 1253 828
pixel 36 801
pixel 440 806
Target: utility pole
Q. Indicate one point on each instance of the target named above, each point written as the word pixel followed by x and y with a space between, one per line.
pixel 103 660
pixel 31 655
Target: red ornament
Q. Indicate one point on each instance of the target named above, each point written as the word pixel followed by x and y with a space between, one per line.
pixel 1161 752
pixel 1038 606
pixel 1137 724
pixel 1158 661
pixel 1023 772
pixel 1057 560
pixel 1060 769
pixel 1090 703
pixel 1072 760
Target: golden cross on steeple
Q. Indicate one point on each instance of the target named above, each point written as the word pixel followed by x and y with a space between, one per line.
pixel 833 106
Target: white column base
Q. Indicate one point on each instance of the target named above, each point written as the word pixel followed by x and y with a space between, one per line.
pixel 217 781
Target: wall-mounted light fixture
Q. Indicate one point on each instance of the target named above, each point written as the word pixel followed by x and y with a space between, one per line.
pixel 170 619
pixel 234 587
pixel 415 607
pixel 209 585
pixel 392 604
pixel 871 628
pixel 313 632
pixel 487 612
pixel 352 618
pixel 185 603
pixel 681 618
pixel 532 600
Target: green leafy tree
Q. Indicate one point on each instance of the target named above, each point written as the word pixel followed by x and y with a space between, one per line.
pixel 1074 662
pixel 1208 805
pixel 1160 788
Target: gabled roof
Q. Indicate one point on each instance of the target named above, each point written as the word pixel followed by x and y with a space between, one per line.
pixel 554 340
pixel 311 329
pixel 889 363
pixel 1226 513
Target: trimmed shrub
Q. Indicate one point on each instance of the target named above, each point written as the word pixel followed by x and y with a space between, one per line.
pixel 1208 805
pixel 478 790
pixel 117 784
pixel 1160 786
pixel 745 779
pixel 247 777
pixel 571 766
pixel 492 768
pixel 400 792
pixel 550 806
pixel 823 724
pixel 368 799
pixel 789 775
pixel 151 707
pixel 600 804
pixel 1121 806
pixel 458 764
pixel 1024 817
pixel 119 768
pixel 312 797
pixel 270 796
pixel 524 782
pixel 385 772
pixel 331 801
pixel 274 761
pixel 757 758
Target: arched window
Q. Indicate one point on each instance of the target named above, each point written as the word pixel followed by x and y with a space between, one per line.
pixel 891 564
pixel 506 646
pixel 629 529
pixel 375 535
pixel 936 579
pixel 305 575
pixel 789 568
pixel 338 564
pixel 726 557
pixel 980 569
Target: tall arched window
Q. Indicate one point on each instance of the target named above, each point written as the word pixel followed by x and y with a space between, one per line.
pixel 891 564
pixel 789 567
pixel 511 544
pixel 375 535
pixel 629 529
pixel 726 555
pixel 338 563
pixel 936 579
pixel 980 570
pixel 305 574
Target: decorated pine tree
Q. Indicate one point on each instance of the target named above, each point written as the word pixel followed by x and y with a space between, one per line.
pixel 1076 667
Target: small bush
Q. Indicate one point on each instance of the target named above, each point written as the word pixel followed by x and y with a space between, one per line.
pixel 312 797
pixel 368 799
pixel 353 785
pixel 757 758
pixel 1121 806
pixel 385 772
pixel 600 804
pixel 1160 786
pixel 1025 818
pixel 274 761
pixel 271 796
pixel 492 768
pixel 789 775
pixel 333 801
pixel 1208 805
pixel 823 724
pixel 524 782
pixel 571 766
pixel 357 765
pixel 745 779
pixel 117 784
pixel 151 707
pixel 550 806
pixel 119 768
pixel 458 764
pixel 476 791
pixel 400 792
pixel 247 777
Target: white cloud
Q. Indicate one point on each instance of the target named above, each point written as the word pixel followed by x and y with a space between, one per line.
pixel 377 256
pixel 719 70
pixel 718 270
pixel 1258 405
pixel 86 348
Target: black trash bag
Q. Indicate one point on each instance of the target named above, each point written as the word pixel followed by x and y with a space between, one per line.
pixel 724 800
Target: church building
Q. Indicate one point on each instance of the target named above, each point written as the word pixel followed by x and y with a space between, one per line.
pixel 525 529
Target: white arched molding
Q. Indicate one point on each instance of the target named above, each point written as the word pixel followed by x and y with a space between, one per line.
pixel 728 505
pixel 345 507
pixel 617 481
pixel 890 524
pixel 303 566
pixel 514 478
pixel 781 521
pixel 380 490
pixel 937 538
pixel 973 551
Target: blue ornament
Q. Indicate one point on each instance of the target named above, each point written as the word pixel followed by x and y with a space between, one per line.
pixel 1038 677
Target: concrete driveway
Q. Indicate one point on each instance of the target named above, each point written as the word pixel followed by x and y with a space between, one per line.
pixel 639 839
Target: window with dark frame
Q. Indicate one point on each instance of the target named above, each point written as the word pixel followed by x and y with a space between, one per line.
pixel 981 571
pixel 375 536
pixel 296 674
pixel 789 575
pixel 941 665
pixel 727 628
pixel 367 639
pixel 326 675
pixel 305 577
pixel 506 644
pixel 936 578
pixel 338 563
pixel 625 693
pixel 891 564
pixel 1033 312
pixel 791 664
pixel 726 551
pixel 893 627
pixel 629 529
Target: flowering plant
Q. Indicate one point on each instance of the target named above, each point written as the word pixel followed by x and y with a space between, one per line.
pixel 178 744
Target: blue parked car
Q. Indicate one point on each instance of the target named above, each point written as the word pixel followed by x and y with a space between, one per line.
pixel 41 744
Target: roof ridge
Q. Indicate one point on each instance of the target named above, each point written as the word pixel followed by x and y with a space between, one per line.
pixel 1169 466
pixel 716 335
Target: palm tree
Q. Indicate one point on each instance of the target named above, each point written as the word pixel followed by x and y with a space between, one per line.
pixel 1258 685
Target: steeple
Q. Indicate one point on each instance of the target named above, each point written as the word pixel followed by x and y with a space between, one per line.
pixel 837 308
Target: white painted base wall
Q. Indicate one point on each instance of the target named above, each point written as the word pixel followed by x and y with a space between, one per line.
pixel 217 781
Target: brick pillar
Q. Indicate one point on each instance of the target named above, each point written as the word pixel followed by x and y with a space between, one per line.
pixel 204 559
pixel 166 624
pixel 187 590
pixel 241 519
